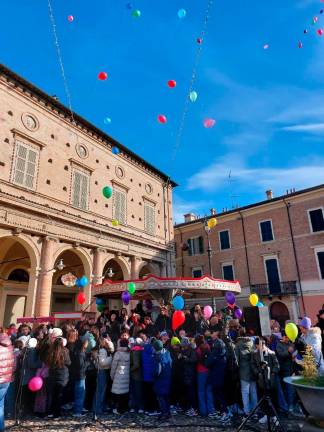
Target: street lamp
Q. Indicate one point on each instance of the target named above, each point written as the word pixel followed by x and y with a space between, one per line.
pixel 209 249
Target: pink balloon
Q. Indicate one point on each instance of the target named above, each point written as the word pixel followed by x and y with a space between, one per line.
pixel 320 32
pixel 70 18
pixel 209 123
pixel 208 312
pixel 35 384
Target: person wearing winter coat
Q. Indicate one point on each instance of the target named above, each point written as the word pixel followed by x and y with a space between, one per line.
pixel 162 378
pixel 205 389
pixel 163 321
pixel 286 394
pixel 312 336
pixel 216 363
pixel 189 362
pixel 114 328
pixel 136 377
pixel 177 388
pixel 150 401
pixel 78 368
pixel 6 371
pixel 58 361
pixel 104 359
pixel 120 373
pixel 265 368
pixel 244 348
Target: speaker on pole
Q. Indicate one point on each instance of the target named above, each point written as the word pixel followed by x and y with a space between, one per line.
pixel 257 319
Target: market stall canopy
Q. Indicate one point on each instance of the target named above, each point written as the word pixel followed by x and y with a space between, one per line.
pixel 165 288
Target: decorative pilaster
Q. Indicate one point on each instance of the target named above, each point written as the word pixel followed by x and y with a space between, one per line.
pixel 98 255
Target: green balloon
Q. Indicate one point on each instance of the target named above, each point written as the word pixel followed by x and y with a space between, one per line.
pixel 136 13
pixel 107 192
pixel 131 288
pixel 100 308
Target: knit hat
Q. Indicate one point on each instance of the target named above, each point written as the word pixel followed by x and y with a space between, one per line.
pixel 158 345
pixel 24 340
pixel 164 333
pixel 139 341
pixel 185 341
pixel 175 341
pixel 306 323
pixel 56 332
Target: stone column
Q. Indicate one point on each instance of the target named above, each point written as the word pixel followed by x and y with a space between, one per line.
pixel 97 265
pixel 135 263
pixel 44 289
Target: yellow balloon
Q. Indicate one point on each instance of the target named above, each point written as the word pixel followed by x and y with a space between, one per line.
pixel 291 331
pixel 212 222
pixel 114 222
pixel 254 299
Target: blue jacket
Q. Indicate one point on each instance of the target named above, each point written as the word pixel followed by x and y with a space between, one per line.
pixel 216 363
pixel 148 363
pixel 162 373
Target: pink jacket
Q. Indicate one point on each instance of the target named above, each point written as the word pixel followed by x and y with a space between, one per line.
pixel 6 359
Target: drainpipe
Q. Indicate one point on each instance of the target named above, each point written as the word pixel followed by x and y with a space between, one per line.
pixel 295 255
pixel 245 247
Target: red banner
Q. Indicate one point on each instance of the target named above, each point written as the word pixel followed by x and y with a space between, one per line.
pixel 35 319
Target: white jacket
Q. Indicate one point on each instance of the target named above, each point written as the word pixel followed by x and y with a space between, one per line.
pixel 105 360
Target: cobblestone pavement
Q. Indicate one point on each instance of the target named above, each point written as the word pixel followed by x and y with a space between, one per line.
pixel 136 423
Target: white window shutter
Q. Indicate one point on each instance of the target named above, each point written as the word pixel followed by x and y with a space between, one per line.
pixel 25 165
pixel 120 207
pixel 80 192
pixel 149 219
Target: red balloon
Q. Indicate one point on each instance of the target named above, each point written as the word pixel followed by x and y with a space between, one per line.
pixel 199 41
pixel 178 318
pixel 102 76
pixel 162 119
pixel 70 18
pixel 81 298
pixel 172 83
pixel 320 32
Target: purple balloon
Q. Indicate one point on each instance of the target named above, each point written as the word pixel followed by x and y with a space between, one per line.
pixel 238 313
pixel 230 298
pixel 148 304
pixel 126 297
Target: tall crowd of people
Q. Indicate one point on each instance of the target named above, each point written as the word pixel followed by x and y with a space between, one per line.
pixel 129 363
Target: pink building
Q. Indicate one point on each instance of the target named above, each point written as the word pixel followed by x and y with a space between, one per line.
pixel 275 248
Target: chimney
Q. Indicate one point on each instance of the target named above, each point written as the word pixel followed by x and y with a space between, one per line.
pixel 189 217
pixel 269 194
pixel 212 211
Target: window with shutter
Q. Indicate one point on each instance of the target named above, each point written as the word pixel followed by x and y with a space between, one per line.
pixel 196 246
pixel 149 219
pixel 24 172
pixel 120 206
pixel 80 190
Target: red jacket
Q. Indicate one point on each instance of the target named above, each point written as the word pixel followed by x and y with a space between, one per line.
pixel 6 359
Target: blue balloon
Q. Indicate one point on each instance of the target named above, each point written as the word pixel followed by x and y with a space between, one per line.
pixel 182 13
pixel 100 301
pixel 178 303
pixel 129 6
pixel 107 120
pixel 83 281
pixel 260 304
pixel 115 150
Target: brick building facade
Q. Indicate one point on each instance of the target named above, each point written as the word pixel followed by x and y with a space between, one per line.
pixel 274 248
pixel 54 165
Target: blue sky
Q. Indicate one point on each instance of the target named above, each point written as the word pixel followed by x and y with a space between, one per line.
pixel 268 104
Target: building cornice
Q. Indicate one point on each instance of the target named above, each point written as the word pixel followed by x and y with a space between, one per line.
pixel 76 121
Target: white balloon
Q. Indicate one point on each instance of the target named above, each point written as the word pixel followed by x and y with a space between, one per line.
pixel 32 343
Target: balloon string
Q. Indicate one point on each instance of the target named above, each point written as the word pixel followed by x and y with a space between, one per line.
pixel 192 80
pixel 60 59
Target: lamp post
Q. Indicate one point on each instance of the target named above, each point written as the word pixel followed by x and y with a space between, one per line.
pixel 209 249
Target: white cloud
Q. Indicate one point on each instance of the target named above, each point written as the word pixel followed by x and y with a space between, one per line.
pixel 311 128
pixel 215 176
pixel 182 207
